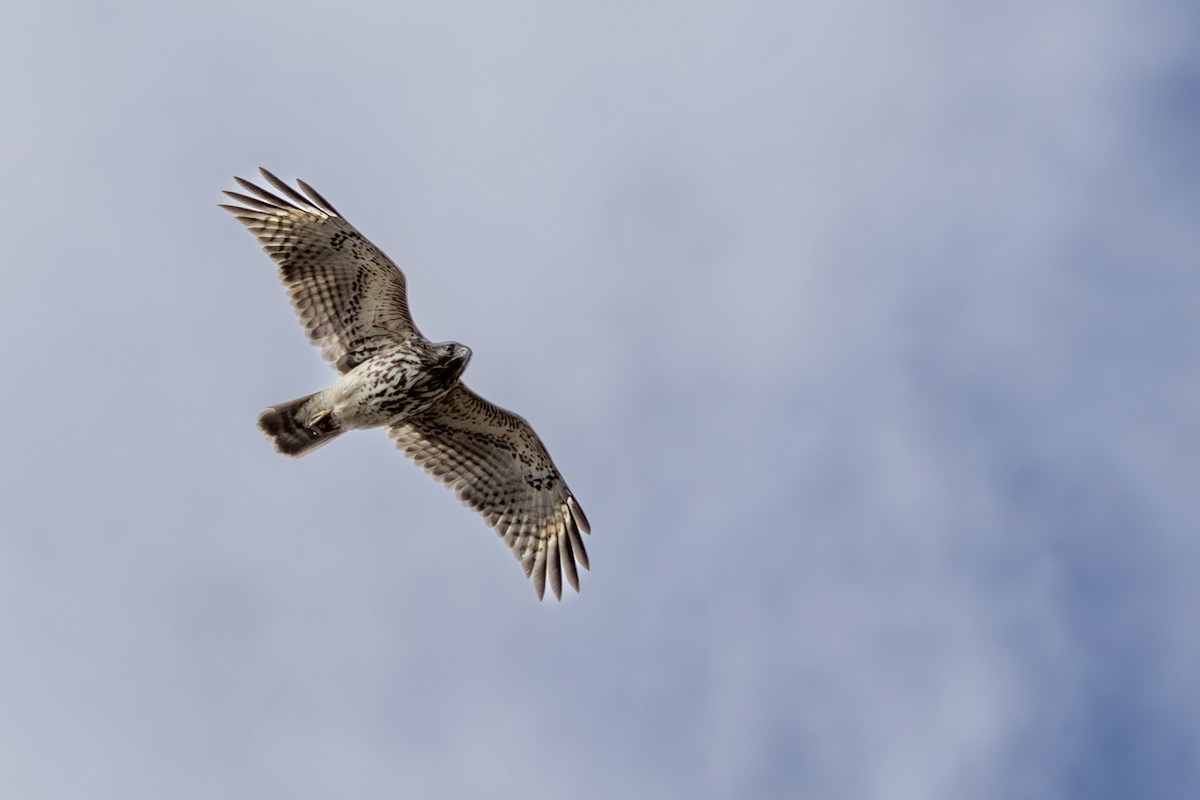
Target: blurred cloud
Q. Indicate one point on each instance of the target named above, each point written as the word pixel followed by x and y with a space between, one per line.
pixel 866 334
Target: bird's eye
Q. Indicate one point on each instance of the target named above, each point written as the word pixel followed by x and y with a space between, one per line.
pixel 449 349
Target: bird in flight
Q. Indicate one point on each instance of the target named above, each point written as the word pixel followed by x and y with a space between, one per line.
pixel 352 302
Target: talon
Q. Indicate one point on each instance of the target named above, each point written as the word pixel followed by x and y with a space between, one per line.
pixel 318 417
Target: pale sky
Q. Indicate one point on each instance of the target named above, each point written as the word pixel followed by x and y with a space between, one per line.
pixel 867 334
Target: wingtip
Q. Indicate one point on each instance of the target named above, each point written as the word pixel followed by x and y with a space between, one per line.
pixel 318 199
pixel 539 574
pixel 554 566
pixel 581 519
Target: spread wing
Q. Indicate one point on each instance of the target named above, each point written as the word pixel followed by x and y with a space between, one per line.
pixel 499 467
pixel 349 296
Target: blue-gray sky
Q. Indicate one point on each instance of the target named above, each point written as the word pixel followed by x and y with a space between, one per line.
pixel 868 335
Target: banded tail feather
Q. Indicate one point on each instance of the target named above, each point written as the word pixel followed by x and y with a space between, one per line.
pixel 298 427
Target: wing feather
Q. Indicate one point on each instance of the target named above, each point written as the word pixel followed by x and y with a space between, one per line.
pixel 321 202
pixel 273 201
pixel 297 200
pixel 350 297
pixel 566 547
pixel 498 466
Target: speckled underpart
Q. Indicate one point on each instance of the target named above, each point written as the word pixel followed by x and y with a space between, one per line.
pixel 352 302
pixel 395 384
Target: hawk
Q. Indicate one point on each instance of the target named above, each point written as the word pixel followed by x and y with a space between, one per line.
pixel 352 302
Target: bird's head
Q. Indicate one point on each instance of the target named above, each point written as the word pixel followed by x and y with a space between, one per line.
pixel 452 357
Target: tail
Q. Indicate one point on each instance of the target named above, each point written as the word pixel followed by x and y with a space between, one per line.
pixel 299 426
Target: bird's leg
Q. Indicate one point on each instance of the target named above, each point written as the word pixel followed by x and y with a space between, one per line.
pixel 318 417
